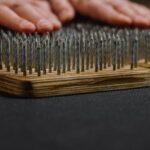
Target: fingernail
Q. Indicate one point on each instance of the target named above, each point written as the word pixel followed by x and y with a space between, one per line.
pixel 25 25
pixel 44 25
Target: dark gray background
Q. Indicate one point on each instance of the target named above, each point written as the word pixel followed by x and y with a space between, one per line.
pixel 118 120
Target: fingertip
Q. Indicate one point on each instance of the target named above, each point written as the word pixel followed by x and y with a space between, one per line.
pixel 121 20
pixel 57 24
pixel 55 21
pixel 142 22
pixel 27 26
pixel 65 15
pixel 63 9
pixel 44 25
pixel 128 20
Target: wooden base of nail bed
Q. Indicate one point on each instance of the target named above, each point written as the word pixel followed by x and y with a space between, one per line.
pixel 72 83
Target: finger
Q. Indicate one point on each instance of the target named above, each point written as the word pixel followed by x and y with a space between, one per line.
pixel 63 9
pixel 101 11
pixel 140 9
pixel 11 20
pixel 51 17
pixel 44 9
pixel 30 13
pixel 125 8
pixel 11 3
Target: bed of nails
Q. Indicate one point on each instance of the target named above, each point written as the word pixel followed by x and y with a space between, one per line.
pixel 79 47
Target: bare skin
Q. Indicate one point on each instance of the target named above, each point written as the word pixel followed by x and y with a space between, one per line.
pixel 43 15
pixel 115 12
pixel 28 15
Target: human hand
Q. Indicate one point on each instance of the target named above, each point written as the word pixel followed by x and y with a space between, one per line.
pixel 115 12
pixel 34 15
pixel 43 15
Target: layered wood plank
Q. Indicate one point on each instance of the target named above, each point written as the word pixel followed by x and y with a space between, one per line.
pixel 72 83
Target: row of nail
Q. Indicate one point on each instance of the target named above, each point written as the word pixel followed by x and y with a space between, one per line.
pixel 77 48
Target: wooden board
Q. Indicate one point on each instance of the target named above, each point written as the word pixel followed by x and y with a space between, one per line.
pixel 72 83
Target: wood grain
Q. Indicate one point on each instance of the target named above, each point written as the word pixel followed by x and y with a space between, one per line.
pixel 72 83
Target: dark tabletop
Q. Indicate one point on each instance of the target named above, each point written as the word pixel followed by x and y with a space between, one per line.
pixel 118 120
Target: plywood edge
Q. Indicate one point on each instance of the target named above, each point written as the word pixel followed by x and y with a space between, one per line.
pixel 65 86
